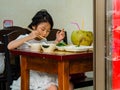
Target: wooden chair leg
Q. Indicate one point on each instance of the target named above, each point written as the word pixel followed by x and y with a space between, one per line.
pixel 3 86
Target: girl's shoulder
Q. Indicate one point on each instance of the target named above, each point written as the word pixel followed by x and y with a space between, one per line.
pixel 22 36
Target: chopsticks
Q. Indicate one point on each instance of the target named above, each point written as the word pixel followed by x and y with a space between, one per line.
pixel 39 35
pixel 29 29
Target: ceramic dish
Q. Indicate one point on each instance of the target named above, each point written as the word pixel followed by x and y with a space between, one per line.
pixel 34 46
pixel 61 48
pixel 75 48
pixel 48 47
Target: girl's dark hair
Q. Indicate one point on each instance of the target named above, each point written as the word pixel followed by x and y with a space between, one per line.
pixel 40 17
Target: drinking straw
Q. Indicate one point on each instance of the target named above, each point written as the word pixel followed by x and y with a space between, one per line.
pixel 83 24
pixel 76 25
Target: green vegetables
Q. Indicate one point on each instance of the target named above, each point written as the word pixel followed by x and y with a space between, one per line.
pixel 61 44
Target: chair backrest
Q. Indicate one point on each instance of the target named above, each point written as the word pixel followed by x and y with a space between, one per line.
pixel 52 35
pixel 8 30
pixel 11 36
pixel 6 35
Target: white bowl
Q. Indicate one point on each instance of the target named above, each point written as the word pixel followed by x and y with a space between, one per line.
pixel 48 47
pixel 35 46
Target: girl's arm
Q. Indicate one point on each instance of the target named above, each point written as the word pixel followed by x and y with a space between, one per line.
pixel 18 42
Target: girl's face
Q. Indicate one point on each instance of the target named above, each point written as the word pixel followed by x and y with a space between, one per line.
pixel 43 29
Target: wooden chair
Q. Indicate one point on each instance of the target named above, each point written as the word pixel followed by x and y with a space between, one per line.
pixel 3 76
pixel 11 68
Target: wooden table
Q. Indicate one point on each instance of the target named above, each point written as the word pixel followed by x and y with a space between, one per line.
pixel 61 63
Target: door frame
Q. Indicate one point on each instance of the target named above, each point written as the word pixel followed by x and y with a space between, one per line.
pixel 99 45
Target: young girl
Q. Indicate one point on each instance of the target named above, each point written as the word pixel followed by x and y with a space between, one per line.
pixel 41 25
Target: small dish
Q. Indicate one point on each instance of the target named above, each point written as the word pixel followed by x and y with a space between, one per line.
pixel 35 47
pixel 48 47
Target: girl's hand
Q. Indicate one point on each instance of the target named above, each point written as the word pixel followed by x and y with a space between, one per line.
pixel 60 36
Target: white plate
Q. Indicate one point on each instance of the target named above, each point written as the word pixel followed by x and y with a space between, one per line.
pixel 76 48
pixel 61 48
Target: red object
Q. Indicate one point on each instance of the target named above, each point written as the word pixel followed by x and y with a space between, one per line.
pixel 116 46
pixel 7 23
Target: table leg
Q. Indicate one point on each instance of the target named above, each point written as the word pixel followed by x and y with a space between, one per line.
pixel 63 75
pixel 24 74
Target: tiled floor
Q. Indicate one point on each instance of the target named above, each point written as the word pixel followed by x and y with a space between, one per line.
pixel 85 88
pixel 89 74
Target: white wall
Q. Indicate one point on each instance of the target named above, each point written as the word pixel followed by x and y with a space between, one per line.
pixel 62 11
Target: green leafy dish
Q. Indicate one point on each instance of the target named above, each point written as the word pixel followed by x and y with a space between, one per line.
pixel 61 44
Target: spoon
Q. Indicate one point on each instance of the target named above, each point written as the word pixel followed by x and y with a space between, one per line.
pixel 80 41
